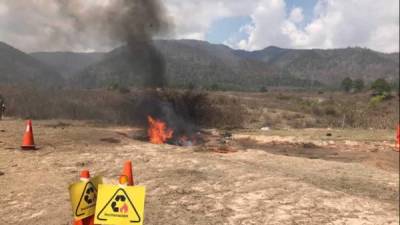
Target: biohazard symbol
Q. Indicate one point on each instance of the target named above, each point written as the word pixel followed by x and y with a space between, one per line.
pixel 119 198
pixel 88 196
pixel 120 206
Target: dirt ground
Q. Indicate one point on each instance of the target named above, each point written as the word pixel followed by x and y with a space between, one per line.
pixel 309 176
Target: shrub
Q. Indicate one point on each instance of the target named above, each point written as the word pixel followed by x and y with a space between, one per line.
pixel 375 100
pixel 380 87
pixel 347 84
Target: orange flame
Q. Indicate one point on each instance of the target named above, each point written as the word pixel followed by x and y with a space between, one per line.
pixel 158 131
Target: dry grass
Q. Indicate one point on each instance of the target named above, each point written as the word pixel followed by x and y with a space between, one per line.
pixel 114 107
pixel 308 109
pixel 228 110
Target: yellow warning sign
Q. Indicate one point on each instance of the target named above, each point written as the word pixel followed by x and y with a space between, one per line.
pixel 83 197
pixel 120 205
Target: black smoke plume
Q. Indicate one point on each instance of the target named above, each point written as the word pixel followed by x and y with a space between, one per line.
pixel 133 22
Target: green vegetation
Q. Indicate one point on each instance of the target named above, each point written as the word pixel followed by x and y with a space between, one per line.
pixel 347 84
pixel 381 92
pixel 376 100
pixel 381 87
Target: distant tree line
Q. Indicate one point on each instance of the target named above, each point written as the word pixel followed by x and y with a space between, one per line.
pixel 379 86
pixel 349 85
pixel 381 89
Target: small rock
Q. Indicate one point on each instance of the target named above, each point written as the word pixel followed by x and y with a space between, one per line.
pixel 329 134
pixel 265 129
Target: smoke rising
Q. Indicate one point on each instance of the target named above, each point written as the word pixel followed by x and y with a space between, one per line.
pixel 133 22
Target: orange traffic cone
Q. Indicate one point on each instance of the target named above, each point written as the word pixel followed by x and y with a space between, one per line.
pixel 28 142
pixel 128 172
pixel 85 175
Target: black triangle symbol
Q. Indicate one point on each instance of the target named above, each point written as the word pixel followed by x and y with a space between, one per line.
pixel 83 193
pixel 130 202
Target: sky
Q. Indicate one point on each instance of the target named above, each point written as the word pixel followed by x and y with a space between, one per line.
pixel 222 29
pixel 32 25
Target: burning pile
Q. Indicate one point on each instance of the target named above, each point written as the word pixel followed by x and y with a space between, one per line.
pixel 158 131
pixel 170 119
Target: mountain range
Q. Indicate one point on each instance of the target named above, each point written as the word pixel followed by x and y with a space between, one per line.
pixel 19 68
pixel 198 63
pixel 67 63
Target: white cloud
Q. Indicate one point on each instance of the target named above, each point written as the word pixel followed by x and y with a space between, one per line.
pixel 193 18
pixel 336 24
pixel 28 24
pixel 266 29
pixel 296 15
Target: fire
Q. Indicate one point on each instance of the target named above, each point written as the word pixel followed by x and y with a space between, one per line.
pixel 158 131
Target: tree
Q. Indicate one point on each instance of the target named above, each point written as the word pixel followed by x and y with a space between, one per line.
pixel 358 85
pixel 347 84
pixel 381 86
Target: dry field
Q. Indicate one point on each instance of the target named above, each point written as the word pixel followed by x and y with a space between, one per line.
pixel 278 108
pixel 308 176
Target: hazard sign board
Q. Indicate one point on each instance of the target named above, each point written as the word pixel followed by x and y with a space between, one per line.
pixel 83 196
pixel 120 205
